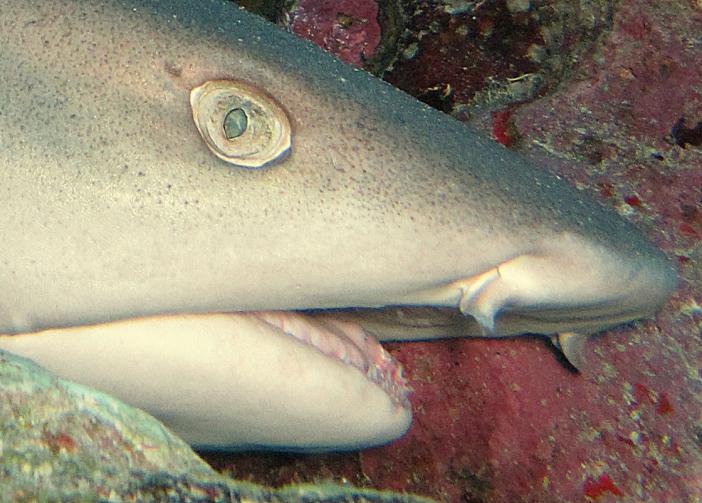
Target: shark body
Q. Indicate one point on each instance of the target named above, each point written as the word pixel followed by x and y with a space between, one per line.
pixel 136 258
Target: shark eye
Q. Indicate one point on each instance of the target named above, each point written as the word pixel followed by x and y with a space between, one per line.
pixel 240 123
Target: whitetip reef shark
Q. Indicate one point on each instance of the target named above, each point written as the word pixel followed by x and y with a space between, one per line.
pixel 209 219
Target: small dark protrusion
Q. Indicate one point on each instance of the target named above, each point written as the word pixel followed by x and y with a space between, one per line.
pixel 439 96
pixel 684 136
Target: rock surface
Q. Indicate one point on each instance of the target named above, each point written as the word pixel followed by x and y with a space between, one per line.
pixel 61 441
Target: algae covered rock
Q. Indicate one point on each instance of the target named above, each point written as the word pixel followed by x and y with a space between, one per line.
pixel 60 441
pixel 60 438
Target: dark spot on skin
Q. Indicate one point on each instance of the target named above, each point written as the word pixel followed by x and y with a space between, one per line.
pixel 476 489
pixel 172 68
pixel 682 260
pixel 683 136
pixel 346 21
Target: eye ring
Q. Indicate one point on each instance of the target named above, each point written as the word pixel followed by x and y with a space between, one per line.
pixel 240 123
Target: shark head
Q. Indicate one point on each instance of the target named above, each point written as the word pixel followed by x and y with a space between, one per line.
pixel 176 173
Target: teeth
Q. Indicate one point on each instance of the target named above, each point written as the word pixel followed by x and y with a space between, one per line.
pixel 347 342
pixel 344 336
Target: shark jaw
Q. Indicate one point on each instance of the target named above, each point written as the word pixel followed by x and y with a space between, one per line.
pixel 310 380
pixel 317 379
pixel 251 380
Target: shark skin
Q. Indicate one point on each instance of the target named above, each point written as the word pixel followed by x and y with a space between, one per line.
pixel 138 261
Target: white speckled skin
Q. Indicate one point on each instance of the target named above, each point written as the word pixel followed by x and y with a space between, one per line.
pixel 113 207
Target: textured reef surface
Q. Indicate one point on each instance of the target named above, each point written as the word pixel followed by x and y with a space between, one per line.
pixel 609 96
pixel 61 441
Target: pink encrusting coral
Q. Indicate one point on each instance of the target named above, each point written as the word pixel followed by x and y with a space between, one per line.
pixel 347 28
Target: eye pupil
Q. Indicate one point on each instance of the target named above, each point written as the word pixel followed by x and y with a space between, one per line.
pixel 235 123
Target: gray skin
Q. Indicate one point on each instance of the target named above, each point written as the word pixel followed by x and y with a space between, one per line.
pixel 114 208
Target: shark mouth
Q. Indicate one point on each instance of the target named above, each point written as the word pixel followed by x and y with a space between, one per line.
pixel 284 379
pixel 345 341
pixel 337 339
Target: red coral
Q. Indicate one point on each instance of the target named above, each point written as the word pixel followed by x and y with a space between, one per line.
pixel 606 189
pixel 687 229
pixel 664 406
pixel 633 201
pixel 593 489
pixel 641 393
pixel 502 130
pixel 60 441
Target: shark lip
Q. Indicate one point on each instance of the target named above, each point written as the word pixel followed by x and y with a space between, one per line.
pixel 428 322
pixel 342 340
pixel 236 379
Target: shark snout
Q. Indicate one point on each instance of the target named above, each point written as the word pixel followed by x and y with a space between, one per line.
pixel 585 286
pixel 637 285
pixel 566 283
